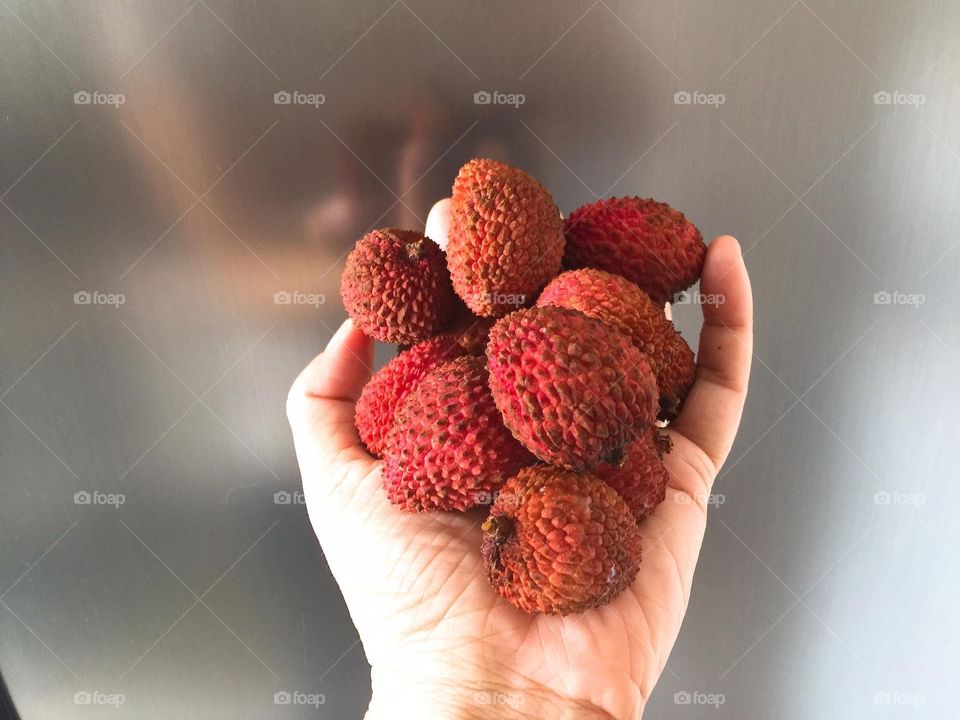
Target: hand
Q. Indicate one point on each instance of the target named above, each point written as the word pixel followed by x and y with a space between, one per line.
pixel 440 641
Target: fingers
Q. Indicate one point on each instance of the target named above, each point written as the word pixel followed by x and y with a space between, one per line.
pixel 711 413
pixel 438 222
pixel 321 402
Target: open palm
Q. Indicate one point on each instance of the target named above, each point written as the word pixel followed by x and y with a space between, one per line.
pixel 438 637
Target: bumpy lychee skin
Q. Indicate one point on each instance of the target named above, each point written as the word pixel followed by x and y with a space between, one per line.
pixel 393 382
pixel 449 449
pixel 648 242
pixel 618 302
pixel 642 478
pixel 574 390
pixel 468 329
pixel 558 542
pixel 396 286
pixel 505 239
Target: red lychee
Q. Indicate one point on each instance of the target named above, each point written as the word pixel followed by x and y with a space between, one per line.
pixel 642 478
pixel 574 390
pixel 449 448
pixel 559 542
pixel 388 387
pixel 505 240
pixel 620 303
pixel 648 242
pixel 396 286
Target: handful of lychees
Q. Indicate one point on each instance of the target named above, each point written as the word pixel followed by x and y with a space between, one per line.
pixel 535 362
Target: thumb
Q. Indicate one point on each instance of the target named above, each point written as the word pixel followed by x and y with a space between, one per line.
pixel 321 402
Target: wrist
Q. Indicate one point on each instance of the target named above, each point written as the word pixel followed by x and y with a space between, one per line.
pixel 402 695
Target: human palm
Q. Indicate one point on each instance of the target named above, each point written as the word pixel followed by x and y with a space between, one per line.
pixel 438 637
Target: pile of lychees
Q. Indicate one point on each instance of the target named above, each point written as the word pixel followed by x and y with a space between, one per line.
pixel 535 362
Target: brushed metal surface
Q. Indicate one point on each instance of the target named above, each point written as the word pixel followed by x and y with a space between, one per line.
pixel 828 582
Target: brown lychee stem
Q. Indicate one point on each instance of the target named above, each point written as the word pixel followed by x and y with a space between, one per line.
pixel 415 249
pixel 499 526
pixel 616 456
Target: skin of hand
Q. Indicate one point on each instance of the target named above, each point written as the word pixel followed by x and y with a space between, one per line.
pixel 440 641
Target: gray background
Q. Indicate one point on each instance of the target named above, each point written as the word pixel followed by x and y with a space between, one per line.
pixel 828 583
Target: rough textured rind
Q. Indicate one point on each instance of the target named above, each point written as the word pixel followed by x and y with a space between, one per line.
pixel 620 303
pixel 393 382
pixel 468 329
pixel 645 241
pixel 642 478
pixel 396 286
pixel 449 449
pixel 572 389
pixel 505 239
pixel 558 542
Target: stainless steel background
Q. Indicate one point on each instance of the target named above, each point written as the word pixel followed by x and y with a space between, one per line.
pixel 199 198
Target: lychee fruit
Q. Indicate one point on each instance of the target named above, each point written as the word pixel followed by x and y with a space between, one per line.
pixel 648 242
pixel 642 478
pixel 396 286
pixel 559 542
pixel 468 329
pixel 388 387
pixel 573 389
pixel 620 303
pixel 505 239
pixel 448 448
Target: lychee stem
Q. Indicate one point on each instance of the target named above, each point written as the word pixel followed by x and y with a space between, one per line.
pixel 415 249
pixel 499 526
pixel 616 456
